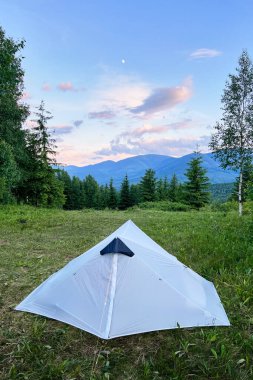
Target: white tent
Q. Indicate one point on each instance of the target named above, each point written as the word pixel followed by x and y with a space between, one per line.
pixel 127 284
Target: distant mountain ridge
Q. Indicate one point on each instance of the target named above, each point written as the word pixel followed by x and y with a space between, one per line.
pixel 136 166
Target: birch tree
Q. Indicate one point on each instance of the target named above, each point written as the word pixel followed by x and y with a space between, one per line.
pixel 232 141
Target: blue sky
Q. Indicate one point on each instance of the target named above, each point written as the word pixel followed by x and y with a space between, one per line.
pixel 123 78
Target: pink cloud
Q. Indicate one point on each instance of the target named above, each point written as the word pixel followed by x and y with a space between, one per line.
pixel 165 98
pixel 68 155
pixel 156 129
pixel 149 129
pixel 65 86
pixel 46 87
pixel 30 124
pixel 26 96
pixel 143 130
pixel 68 86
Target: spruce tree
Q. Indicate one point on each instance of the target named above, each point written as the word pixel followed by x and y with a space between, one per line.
pixel 64 177
pixel 173 189
pixel 232 141
pixel 76 190
pixel 40 186
pixel 125 199
pixel 112 198
pixel 135 194
pixel 197 184
pixel 148 186
pixel 103 197
pixel 45 144
pixel 91 189
pixel 162 186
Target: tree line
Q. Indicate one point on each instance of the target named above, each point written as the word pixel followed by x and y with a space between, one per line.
pixel 27 155
pixel 27 158
pixel 88 193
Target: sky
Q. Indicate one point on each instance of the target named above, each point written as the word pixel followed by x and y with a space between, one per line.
pixel 124 78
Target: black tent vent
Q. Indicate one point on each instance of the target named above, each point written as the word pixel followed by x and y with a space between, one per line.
pixel 117 246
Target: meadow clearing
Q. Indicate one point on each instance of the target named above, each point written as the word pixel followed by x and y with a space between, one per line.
pixel 34 243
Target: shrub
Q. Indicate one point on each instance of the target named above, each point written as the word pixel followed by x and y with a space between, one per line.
pixel 164 206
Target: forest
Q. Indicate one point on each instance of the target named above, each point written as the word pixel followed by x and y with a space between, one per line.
pixel 30 174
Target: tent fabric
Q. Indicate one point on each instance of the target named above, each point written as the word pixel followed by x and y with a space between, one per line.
pixel 113 294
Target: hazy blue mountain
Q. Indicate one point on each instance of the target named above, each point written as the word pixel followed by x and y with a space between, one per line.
pixel 135 168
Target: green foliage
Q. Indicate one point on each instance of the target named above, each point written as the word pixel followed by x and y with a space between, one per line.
pixel 12 111
pixel 173 191
pixel 44 144
pixel 232 142
pixel 37 348
pixel 247 183
pixel 148 186
pixel 197 185
pixel 40 185
pixel 135 194
pixel 91 190
pixel 26 156
pixel 221 192
pixel 164 206
pixel 112 197
pixel 162 189
pixel 77 198
pixel 9 173
pixel 65 179
pixel 125 199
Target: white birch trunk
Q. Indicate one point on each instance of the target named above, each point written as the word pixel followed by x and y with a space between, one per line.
pixel 240 194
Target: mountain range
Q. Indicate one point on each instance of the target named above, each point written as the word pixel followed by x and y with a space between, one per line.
pixel 135 168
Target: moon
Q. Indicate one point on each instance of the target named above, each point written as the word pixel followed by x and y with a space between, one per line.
pixel 123 61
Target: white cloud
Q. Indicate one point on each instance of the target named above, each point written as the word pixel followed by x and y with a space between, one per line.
pixel 166 146
pixel 205 53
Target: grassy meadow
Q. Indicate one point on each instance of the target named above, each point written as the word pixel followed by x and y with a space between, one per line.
pixel 34 243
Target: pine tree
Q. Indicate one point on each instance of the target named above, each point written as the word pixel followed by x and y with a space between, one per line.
pixel 173 189
pixel 112 199
pixel 232 142
pixel 40 186
pixel 45 144
pixel 55 197
pixel 64 177
pixel 103 197
pixel 125 199
pixel 76 190
pixel 135 194
pixel 148 186
pixel 162 188
pixel 197 185
pixel 91 189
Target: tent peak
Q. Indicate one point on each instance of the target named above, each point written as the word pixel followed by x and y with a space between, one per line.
pixel 117 246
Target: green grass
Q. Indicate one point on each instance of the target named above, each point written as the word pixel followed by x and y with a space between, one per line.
pixel 36 242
